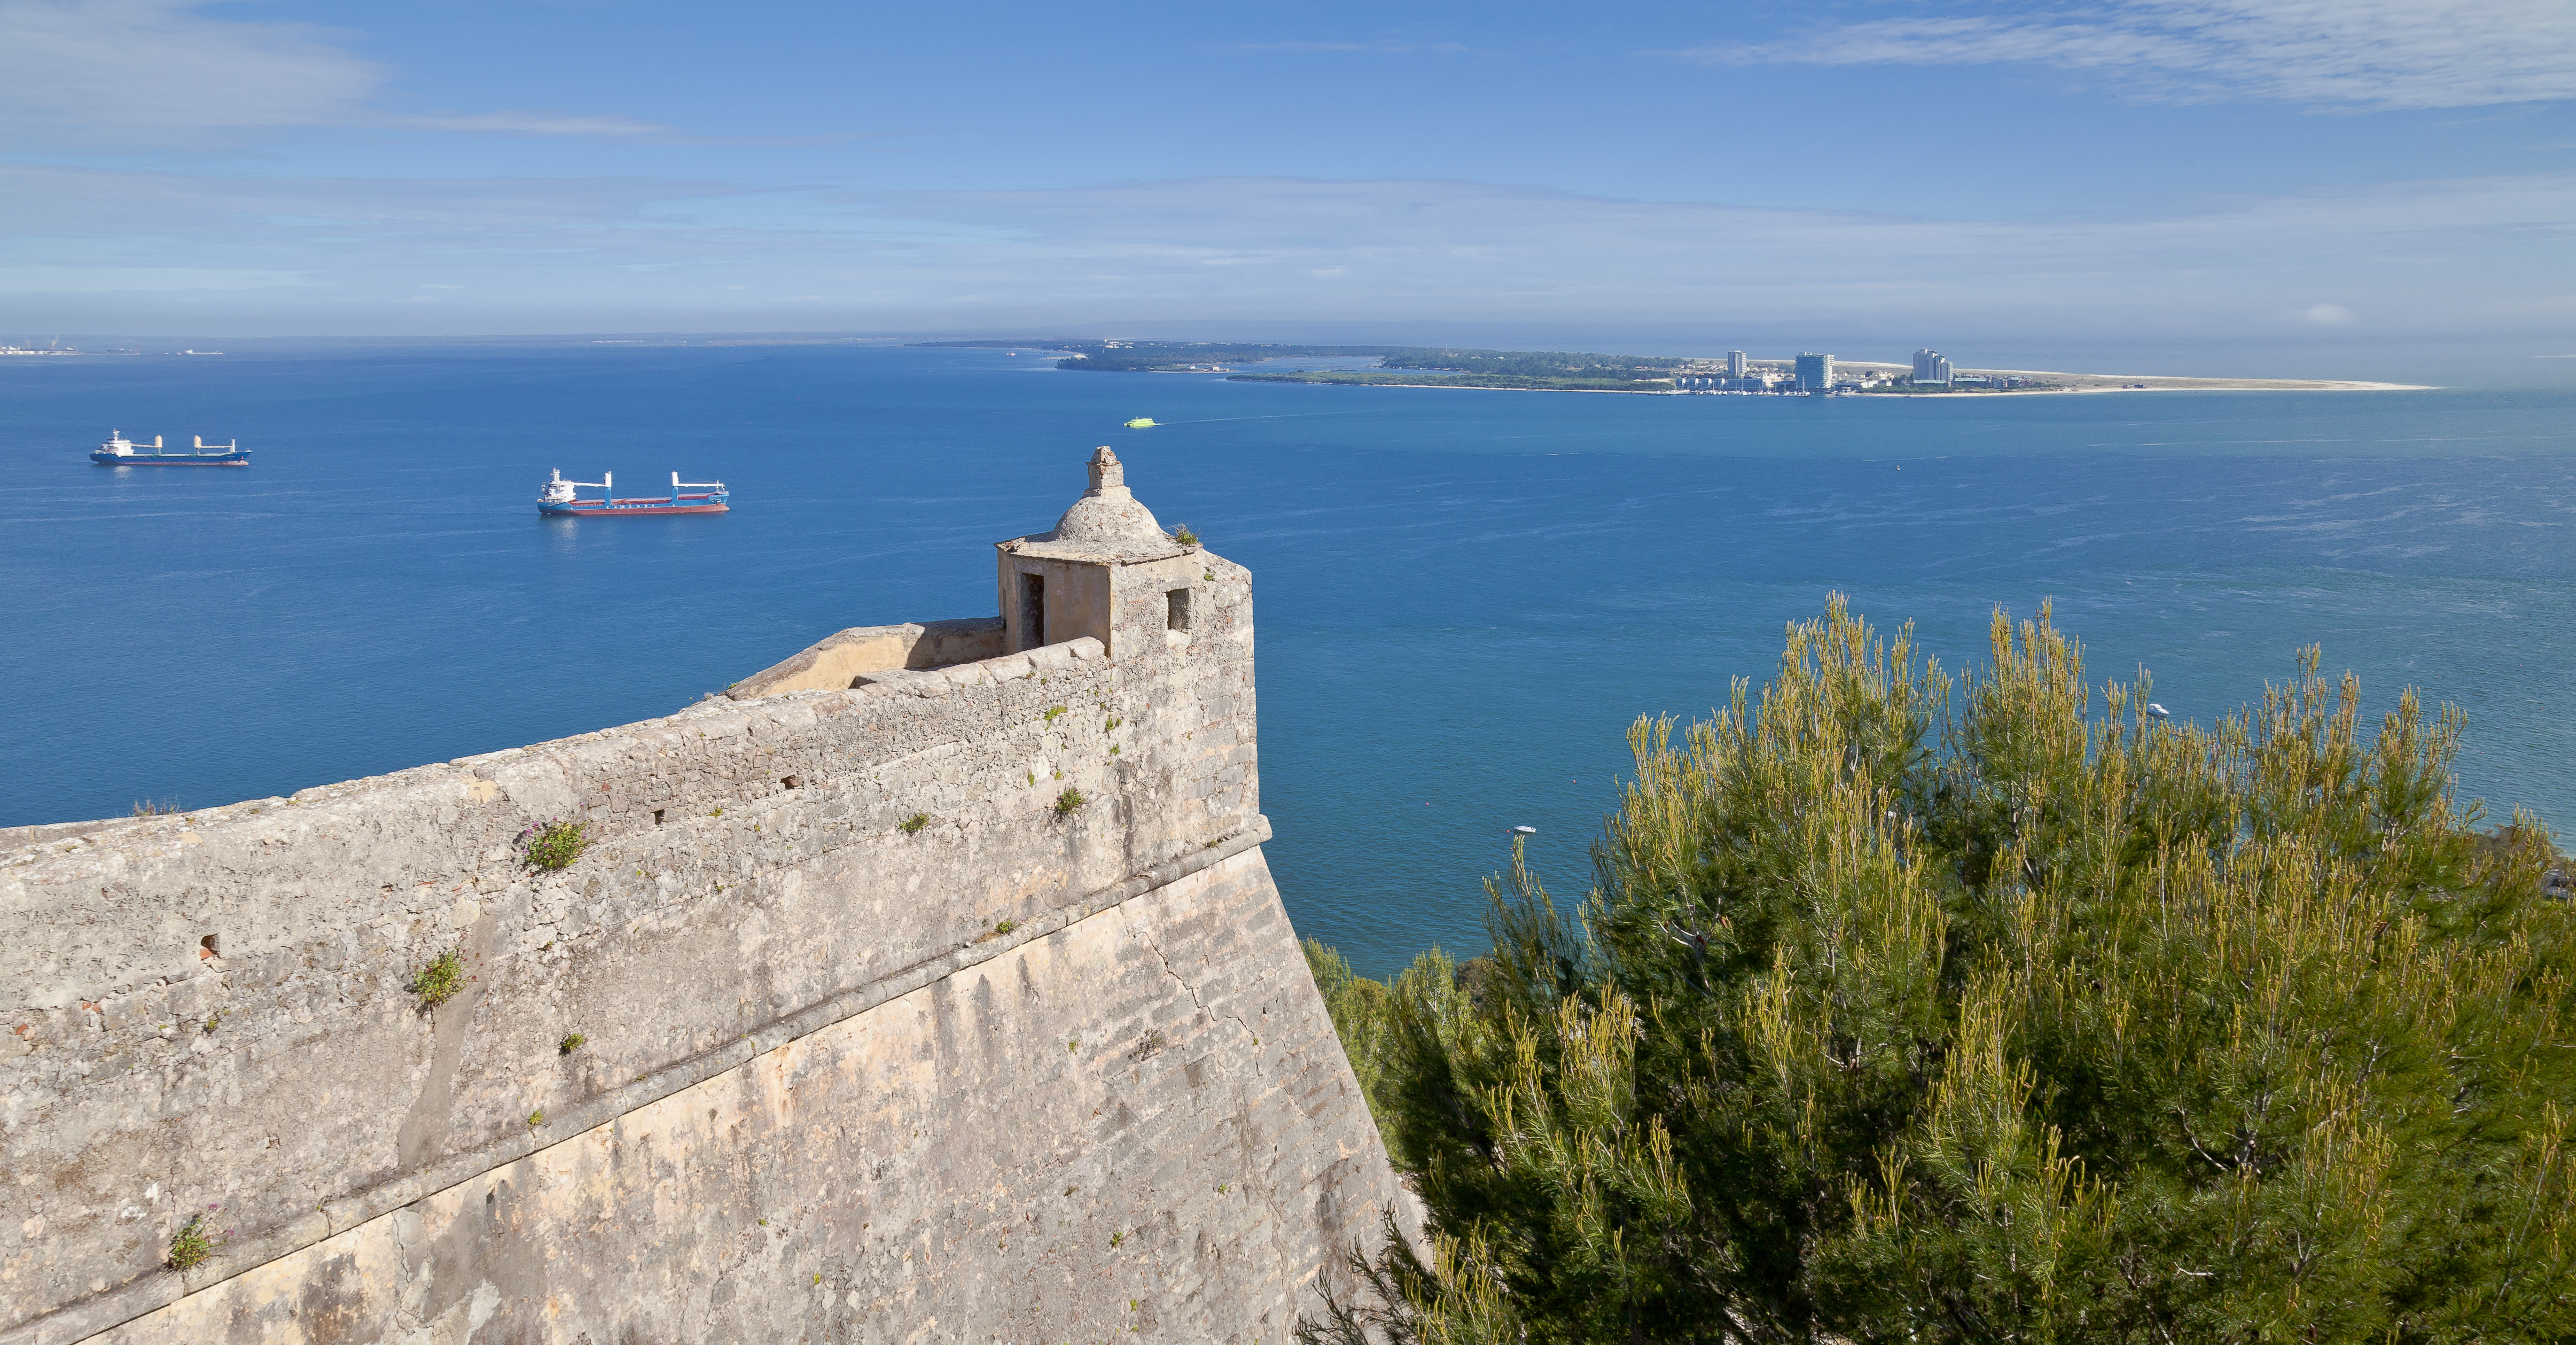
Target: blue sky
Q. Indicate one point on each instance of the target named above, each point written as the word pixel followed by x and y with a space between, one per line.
pixel 2265 170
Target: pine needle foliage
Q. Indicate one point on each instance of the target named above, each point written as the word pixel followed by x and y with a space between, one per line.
pixel 1918 1008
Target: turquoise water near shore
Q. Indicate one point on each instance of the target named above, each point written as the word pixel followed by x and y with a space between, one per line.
pixel 1463 597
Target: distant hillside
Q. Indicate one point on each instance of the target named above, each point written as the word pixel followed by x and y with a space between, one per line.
pixel 1426 364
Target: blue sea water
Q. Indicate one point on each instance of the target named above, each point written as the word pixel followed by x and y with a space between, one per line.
pixel 1463 597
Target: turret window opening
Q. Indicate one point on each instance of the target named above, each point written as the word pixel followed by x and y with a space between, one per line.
pixel 1032 611
pixel 1176 609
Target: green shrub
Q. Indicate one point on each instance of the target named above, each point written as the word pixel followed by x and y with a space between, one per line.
pixel 1913 1008
pixel 191 1246
pixel 912 825
pixel 439 980
pixel 1005 926
pixel 552 845
pixel 571 1043
pixel 1067 801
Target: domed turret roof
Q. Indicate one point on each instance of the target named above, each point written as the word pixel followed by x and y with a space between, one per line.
pixel 1108 514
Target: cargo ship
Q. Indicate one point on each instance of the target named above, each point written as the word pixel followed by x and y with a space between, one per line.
pixel 120 451
pixel 559 498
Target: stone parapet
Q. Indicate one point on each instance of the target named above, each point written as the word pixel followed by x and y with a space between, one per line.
pixel 845 658
pixel 850 984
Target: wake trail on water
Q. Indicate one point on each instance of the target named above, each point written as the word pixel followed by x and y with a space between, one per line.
pixel 1219 420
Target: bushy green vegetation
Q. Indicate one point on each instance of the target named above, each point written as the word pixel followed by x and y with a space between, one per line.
pixel 192 1246
pixel 439 979
pixel 553 844
pixel 1912 1008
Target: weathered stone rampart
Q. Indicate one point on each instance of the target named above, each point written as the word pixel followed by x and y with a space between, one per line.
pixel 956 1004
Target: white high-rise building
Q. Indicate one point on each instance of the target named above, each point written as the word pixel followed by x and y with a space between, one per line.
pixel 1736 365
pixel 1930 367
pixel 1815 373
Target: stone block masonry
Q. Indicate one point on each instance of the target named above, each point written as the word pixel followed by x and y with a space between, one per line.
pixel 952 1004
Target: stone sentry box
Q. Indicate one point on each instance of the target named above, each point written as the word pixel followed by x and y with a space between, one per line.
pixel 886 1035
pixel 1107 571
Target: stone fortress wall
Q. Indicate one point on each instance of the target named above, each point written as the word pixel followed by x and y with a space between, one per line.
pixel 1025 1071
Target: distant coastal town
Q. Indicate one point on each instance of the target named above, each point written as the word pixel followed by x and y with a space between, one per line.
pixel 1808 374
pixel 56 347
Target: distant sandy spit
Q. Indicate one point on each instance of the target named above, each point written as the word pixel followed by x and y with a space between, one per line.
pixel 2058 383
pixel 2066 382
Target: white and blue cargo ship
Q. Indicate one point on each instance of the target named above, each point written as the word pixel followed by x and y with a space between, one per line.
pixel 120 451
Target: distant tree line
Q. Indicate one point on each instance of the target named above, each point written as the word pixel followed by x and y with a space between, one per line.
pixel 1913 1008
pixel 1148 356
pixel 1537 364
pixel 1441 378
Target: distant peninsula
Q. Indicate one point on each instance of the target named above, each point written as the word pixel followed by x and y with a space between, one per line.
pixel 1580 371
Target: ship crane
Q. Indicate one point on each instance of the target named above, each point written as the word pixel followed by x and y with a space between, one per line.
pixel 558 498
pixel 560 491
pixel 120 451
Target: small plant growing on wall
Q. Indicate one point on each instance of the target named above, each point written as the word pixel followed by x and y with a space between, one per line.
pixel 1067 801
pixel 191 1245
pixel 553 844
pixel 912 825
pixel 1052 712
pixel 438 982
pixel 571 1044
pixel 536 1118
pixel 1181 533
pixel 1005 926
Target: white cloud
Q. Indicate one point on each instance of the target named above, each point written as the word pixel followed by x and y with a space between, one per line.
pixel 542 123
pixel 118 74
pixel 2352 54
pixel 2477 255
pixel 613 128
pixel 156 75
pixel 126 279
pixel 1372 48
